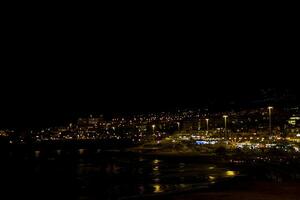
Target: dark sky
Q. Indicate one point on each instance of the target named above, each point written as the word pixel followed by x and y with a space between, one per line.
pixel 57 71
pixel 52 96
pixel 56 92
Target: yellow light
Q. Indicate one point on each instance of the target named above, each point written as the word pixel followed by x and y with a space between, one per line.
pixel 211 178
pixel 156 168
pixel 156 161
pixel 157 188
pixel 230 173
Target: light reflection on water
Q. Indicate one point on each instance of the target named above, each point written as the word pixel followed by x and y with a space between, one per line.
pixel 183 185
pixel 146 176
pixel 230 173
pixel 156 161
pixel 156 180
pixel 37 154
pixel 58 152
pixel 157 188
pixel 106 176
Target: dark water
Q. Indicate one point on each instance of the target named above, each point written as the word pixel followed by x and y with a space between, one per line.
pixel 102 175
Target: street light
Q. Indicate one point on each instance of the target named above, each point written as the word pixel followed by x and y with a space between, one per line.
pixel 225 124
pixel 270 119
pixel 206 124
pixel 153 127
pixel 178 125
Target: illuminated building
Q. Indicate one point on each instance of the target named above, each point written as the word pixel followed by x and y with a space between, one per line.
pixel 90 121
pixel 294 120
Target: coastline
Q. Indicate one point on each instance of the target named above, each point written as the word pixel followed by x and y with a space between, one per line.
pixel 254 190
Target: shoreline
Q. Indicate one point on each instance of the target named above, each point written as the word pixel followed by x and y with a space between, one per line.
pixel 252 190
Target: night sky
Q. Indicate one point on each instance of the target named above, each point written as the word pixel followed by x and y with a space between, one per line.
pixel 53 97
pixel 56 73
pixel 56 91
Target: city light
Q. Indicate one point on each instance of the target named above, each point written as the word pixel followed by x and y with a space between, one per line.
pixel 174 128
pixel 153 127
pixel 144 124
pixel 207 124
pixel 225 124
pixel 270 119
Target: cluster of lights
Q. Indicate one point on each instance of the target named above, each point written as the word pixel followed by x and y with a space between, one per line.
pixel 155 126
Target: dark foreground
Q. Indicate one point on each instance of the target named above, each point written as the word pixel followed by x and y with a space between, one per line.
pixel 96 173
pixel 258 190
